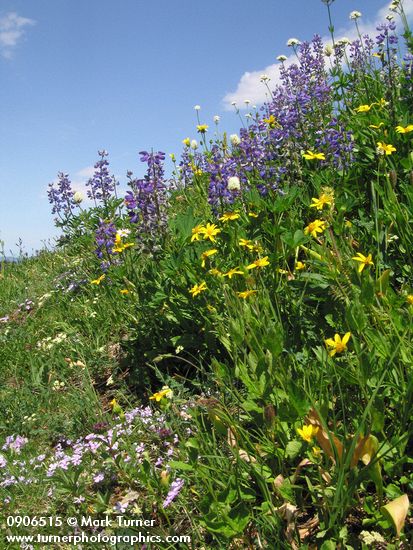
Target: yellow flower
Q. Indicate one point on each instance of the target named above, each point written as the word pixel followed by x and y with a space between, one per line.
pixel 376 126
pixel 186 142
pixel 299 265
pixel 404 130
pixel 271 121
pixel 165 392
pixel 382 102
pixel 206 255
pixel 316 452
pixel 364 260
pixel 338 345
pixel 124 291
pixel 322 200
pixel 311 155
pixel 307 432
pixel 98 280
pixel 409 299
pixel 197 231
pixel 232 272
pixel 388 149
pixel 215 271
pixel 364 108
pixel 229 216
pixel 246 293
pixel 210 231
pixel 252 215
pixel 317 226
pixel 202 128
pixel 246 243
pixel 197 289
pixel 260 262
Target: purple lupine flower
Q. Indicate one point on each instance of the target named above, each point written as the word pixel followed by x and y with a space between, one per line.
pixel 175 489
pixel 105 239
pixel 101 186
pixel 147 200
pixel 61 196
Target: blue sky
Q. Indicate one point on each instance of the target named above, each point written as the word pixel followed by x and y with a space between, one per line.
pixel 124 75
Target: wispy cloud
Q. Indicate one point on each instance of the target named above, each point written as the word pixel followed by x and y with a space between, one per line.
pixel 250 86
pixel 12 30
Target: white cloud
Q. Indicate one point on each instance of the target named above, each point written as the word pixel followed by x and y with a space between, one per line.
pixel 250 87
pixel 12 30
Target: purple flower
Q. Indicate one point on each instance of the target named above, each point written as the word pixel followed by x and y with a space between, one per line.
pixel 102 185
pixel 175 489
pixel 61 197
pixel 97 478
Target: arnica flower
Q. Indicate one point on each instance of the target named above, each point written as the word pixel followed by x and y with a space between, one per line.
pixel 322 200
pixel 186 142
pixel 124 291
pixel 261 262
pixel 409 299
pixel 271 121
pixel 339 344
pixel 165 392
pixel 197 232
pixel 202 128
pixel 246 243
pixel 232 272
pixel 299 266
pixel 207 254
pixel 311 155
pixel 233 184
pixel 317 226
pixel 98 280
pixel 307 432
pixel 376 126
pixel 400 130
pixel 364 261
pixel 215 271
pixel 210 231
pixel 252 215
pixel 228 216
pixel 364 108
pixel 384 148
pixel 246 293
pixel 197 289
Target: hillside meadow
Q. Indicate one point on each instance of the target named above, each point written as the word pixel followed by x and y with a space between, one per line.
pixel 226 352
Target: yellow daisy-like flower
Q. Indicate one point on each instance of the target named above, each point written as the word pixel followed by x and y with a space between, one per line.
pixel 246 293
pixel 228 216
pixel 260 262
pixel 271 121
pixel 307 432
pixel 232 272
pixel 165 392
pixel 364 108
pixel 299 266
pixel 409 299
pixel 197 289
pixel 207 254
pixel 376 126
pixel 317 226
pixel 316 452
pixel 215 271
pixel 210 231
pixel 404 129
pixel 339 344
pixel 197 232
pixel 202 128
pixel 186 142
pixel 246 243
pixel 311 155
pixel 124 291
pixel 364 261
pixel 322 200
pixel 98 280
pixel 384 148
pixel 252 215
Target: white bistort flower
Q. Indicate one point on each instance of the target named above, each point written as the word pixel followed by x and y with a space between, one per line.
pixel 264 78
pixel 281 58
pixel 355 14
pixel 78 197
pixel 234 183
pixel 194 144
pixel 217 118
pixel 234 138
pixel 197 107
pixel 293 42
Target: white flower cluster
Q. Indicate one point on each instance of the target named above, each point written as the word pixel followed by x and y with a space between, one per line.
pixel 49 342
pixel 355 15
pixel 371 537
